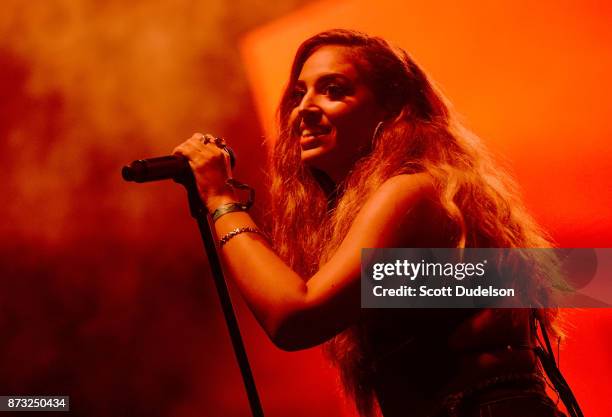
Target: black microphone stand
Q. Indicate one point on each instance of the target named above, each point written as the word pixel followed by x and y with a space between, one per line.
pixel 200 214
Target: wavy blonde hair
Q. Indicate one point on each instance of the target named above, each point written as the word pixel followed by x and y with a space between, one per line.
pixel 421 135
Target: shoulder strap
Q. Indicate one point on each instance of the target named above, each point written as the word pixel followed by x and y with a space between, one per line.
pixel 546 356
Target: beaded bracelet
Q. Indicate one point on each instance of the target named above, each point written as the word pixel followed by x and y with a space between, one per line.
pixel 236 232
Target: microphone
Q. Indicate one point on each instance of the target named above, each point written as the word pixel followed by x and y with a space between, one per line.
pixel 163 168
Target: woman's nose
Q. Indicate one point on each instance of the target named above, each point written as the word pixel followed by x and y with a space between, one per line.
pixel 310 115
pixel 308 110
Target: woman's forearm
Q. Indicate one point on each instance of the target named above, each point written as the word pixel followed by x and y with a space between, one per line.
pixel 273 291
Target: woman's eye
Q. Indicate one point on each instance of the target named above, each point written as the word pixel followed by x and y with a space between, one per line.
pixel 334 91
pixel 297 96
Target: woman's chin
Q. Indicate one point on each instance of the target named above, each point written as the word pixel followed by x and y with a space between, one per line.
pixel 321 160
pixel 314 157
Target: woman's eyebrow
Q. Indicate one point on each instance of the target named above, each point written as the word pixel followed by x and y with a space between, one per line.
pixel 333 76
pixel 326 77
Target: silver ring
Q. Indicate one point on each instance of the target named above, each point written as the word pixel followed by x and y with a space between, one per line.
pixel 220 142
pixel 207 138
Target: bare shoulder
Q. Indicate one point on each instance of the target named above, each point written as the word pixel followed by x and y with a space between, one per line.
pixel 421 182
pixel 406 189
pixel 395 210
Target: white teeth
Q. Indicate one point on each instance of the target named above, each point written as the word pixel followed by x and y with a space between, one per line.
pixel 313 133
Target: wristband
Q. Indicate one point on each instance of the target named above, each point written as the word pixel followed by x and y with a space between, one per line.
pixel 231 207
pixel 227 208
pixel 242 186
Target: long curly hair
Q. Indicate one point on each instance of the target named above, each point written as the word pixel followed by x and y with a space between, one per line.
pixel 480 201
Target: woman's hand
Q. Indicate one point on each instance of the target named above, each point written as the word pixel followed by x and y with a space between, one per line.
pixel 211 168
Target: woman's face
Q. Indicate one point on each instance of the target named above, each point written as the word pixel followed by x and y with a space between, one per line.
pixel 335 111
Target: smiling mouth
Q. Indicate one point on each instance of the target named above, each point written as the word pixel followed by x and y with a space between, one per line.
pixel 311 141
pixel 310 137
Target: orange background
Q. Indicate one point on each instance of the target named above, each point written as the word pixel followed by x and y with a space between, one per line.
pixel 104 292
pixel 531 80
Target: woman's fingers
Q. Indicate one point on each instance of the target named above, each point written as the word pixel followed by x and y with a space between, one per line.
pixel 209 161
pixel 187 148
pixel 193 148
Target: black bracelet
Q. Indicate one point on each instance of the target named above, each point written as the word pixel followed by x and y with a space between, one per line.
pixel 227 208
pixel 231 207
pixel 242 186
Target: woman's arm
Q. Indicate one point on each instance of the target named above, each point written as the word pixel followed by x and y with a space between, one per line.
pixel 298 313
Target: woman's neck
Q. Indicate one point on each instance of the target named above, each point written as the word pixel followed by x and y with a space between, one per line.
pixel 328 186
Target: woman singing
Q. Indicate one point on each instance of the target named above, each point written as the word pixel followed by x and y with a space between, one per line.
pixel 368 155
